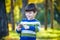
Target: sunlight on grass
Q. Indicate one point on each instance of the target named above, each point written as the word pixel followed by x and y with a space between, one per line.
pixel 12 36
pixel 43 34
pixel 10 26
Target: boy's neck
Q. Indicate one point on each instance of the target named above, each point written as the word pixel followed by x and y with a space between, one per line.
pixel 31 18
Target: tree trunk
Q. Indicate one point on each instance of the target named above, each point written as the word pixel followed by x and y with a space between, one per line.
pixel 3 20
pixel 46 12
pixel 51 12
pixel 12 15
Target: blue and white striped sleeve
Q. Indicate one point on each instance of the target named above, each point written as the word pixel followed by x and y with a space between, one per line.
pixel 37 27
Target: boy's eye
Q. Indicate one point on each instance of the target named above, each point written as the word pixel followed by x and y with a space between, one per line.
pixel 28 13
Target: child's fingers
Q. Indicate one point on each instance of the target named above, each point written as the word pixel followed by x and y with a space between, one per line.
pixel 19 26
pixel 18 29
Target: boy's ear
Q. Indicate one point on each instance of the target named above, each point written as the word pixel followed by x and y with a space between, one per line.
pixel 35 12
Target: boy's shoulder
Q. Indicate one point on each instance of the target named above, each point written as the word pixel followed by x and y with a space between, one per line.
pixel 26 20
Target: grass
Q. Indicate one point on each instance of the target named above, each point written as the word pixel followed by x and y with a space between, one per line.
pixel 50 34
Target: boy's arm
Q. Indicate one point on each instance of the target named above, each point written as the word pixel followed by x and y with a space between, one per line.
pixel 37 28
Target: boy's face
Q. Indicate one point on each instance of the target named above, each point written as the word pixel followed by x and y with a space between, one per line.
pixel 30 14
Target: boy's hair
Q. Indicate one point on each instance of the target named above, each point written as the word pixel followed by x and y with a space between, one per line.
pixel 31 7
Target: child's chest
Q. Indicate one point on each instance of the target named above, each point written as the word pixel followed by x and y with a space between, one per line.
pixel 31 27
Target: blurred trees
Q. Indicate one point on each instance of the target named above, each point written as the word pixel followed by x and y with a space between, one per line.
pixel 3 20
pixel 13 11
pixel 57 11
pixel 24 3
pixel 18 10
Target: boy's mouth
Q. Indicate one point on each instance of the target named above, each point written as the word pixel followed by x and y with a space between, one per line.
pixel 29 16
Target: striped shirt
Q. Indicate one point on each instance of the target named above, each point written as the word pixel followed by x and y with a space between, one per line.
pixel 33 27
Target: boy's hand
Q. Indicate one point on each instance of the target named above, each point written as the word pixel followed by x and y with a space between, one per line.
pixel 26 26
pixel 19 27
